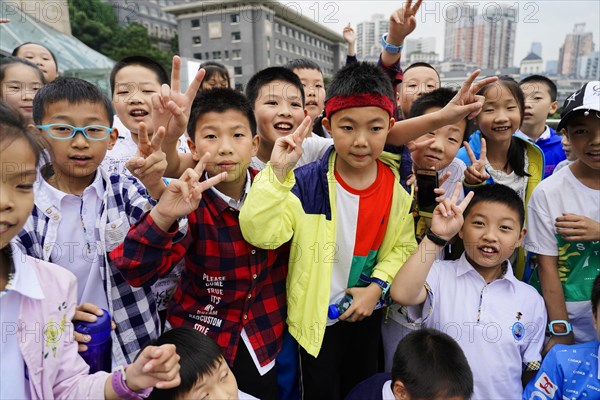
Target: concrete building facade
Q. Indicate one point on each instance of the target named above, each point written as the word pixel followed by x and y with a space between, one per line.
pixel 578 43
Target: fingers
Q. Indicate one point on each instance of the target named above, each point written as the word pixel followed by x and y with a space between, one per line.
pixel 415 8
pixel 157 103
pixel 210 182
pixel 87 312
pixel 142 135
pixel 411 179
pixel 470 153
pixel 466 86
pixel 199 168
pixel 158 138
pixel 303 130
pixel 414 146
pixel 165 94
pixel 483 153
pixel 176 74
pixel 463 204
pixel 194 86
pixel 485 81
pixel 442 179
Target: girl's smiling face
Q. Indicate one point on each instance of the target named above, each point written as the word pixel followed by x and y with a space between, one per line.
pixel 501 113
pixel 19 86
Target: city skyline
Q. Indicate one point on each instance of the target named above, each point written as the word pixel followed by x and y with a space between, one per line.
pixel 547 22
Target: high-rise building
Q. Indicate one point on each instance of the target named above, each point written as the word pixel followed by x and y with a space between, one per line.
pixel 254 35
pixel 536 48
pixel 368 37
pixel 486 39
pixel 577 44
pixel 587 66
pixel 420 45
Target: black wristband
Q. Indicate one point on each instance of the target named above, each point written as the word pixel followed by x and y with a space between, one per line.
pixel 436 239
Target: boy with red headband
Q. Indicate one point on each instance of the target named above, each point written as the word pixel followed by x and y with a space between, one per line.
pixel 350 228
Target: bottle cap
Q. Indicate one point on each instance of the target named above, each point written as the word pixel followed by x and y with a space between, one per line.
pixel 333 312
pixel 99 330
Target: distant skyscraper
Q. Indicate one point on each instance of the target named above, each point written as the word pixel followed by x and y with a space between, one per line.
pixel 368 36
pixel 551 67
pixel 536 48
pixel 487 40
pixel 587 66
pixel 577 44
pixel 420 45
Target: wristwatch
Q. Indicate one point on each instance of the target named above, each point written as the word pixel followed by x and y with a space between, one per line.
pixel 122 390
pixel 390 48
pixel 436 239
pixel 560 327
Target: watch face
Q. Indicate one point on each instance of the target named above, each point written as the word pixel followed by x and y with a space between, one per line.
pixel 559 327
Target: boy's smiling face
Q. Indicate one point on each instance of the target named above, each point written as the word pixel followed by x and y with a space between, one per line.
pixel 584 136
pixel 76 160
pixel 132 97
pixel 278 110
pixel 228 139
pixel 491 233
pixel 439 154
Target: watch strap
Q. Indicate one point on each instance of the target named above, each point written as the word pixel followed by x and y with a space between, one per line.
pixel 121 388
pixel 436 239
pixel 390 48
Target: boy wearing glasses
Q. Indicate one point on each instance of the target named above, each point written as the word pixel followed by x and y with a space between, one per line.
pixel 81 213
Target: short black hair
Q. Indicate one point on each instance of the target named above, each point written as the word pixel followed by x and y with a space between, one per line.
pixel 422 64
pixel 16 51
pixel 497 193
pixel 439 98
pixel 143 61
pixel 10 60
pixel 219 100
pixel 268 75
pixel 303 63
pixel 213 68
pixel 550 85
pixel 360 78
pixel 596 295
pixel 432 365
pixel 72 90
pixel 199 356
pixel 14 127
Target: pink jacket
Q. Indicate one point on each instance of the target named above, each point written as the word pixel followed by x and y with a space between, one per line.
pixel 46 337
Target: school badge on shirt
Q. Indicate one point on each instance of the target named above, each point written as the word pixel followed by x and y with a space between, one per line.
pixel 518 329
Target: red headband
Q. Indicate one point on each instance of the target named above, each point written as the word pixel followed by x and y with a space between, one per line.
pixel 359 100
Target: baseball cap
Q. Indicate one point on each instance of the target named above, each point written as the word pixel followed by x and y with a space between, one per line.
pixel 587 98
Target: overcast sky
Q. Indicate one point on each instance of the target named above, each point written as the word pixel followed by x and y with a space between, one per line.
pixel 545 21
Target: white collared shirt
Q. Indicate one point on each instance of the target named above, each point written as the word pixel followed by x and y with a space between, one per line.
pixel 12 366
pixel 237 204
pixel 76 245
pixel 500 326
pixel 546 135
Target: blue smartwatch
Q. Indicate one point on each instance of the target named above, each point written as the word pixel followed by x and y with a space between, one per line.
pixel 390 48
pixel 560 327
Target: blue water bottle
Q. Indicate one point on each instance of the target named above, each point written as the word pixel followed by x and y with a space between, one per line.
pixel 335 310
pixel 99 348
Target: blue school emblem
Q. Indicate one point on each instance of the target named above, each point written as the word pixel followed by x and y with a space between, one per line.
pixel 518 331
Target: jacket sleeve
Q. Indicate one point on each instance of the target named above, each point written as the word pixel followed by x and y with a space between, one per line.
pixel 267 218
pixel 149 253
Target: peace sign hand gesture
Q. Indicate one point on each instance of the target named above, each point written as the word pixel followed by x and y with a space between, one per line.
pixel 403 22
pixel 150 162
pixel 476 172
pixel 287 150
pixel 448 215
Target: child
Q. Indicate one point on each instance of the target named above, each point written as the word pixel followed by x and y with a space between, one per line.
pixel 325 209
pixel 419 78
pixel 570 372
pixel 229 290
pixel 511 161
pixel 564 224
pixel 566 146
pixel 37 302
pixel 204 371
pixel 41 56
pixel 540 102
pixel 216 76
pixel 81 213
pixel 428 365
pixel 19 82
pixel 311 77
pixel 497 320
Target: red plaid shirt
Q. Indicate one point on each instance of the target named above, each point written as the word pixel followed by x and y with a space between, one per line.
pixel 226 285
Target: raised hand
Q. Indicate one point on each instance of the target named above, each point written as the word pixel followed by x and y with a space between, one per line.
pixel 183 195
pixel 171 107
pixel 349 34
pixel 287 150
pixel 448 215
pixel 467 102
pixel 403 22
pixel 476 172
pixel 154 367
pixel 577 228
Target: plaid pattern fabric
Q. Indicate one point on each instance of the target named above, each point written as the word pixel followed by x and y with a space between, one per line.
pixel 124 202
pixel 226 285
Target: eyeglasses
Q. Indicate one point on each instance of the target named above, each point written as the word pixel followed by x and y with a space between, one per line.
pixel 65 131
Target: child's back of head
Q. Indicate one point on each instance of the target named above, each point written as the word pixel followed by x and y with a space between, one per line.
pixel 429 364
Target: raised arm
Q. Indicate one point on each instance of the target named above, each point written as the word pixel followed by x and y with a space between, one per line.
pixel 402 23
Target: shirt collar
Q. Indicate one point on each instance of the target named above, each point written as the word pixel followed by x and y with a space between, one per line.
pixel 25 280
pixel 237 204
pixel 546 135
pixel 55 195
pixel 464 267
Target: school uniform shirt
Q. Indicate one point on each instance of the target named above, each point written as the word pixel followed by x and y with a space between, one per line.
pixel 567 373
pixel 123 202
pixel 578 262
pixel 500 326
pixel 228 285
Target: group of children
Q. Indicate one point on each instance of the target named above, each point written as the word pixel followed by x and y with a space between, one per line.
pixel 218 229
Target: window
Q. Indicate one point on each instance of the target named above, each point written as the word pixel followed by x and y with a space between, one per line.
pixel 197 40
pixel 198 56
pixel 278 59
pixel 236 54
pixel 277 27
pixel 227 54
pixel 207 56
pixel 237 71
pixel 239 87
pixel 195 23
pixel 216 55
pixel 236 36
pixel 277 43
pixel 235 18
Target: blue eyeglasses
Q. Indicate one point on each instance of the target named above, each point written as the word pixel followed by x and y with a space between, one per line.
pixel 65 131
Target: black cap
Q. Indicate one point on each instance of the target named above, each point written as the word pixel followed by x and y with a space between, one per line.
pixel 587 98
